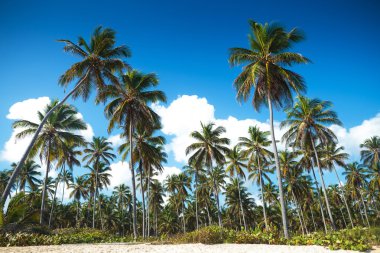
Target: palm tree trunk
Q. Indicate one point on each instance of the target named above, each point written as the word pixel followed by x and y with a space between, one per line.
pixel 344 219
pixel 298 212
pixel 312 217
pixel 148 206
pixel 278 171
pixel 365 208
pixel 217 203
pixel 143 198
pixel 241 206
pixel 133 182
pixel 77 216
pixel 156 220
pixel 196 198
pixel 52 204
pixel 208 215
pixel 320 201
pixel 323 185
pixel 344 199
pixel 95 193
pixel 44 186
pixel 17 170
pixel 183 217
pixel 262 194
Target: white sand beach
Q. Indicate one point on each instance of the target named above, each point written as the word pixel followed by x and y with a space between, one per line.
pixel 179 248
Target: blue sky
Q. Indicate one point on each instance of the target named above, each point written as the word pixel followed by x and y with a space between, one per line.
pixel 186 43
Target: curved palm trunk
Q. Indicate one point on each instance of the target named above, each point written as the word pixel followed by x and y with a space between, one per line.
pixel 344 199
pixel 44 186
pixel 241 206
pixel 17 170
pixel 278 172
pixel 320 201
pixel 323 185
pixel 143 198
pixel 134 215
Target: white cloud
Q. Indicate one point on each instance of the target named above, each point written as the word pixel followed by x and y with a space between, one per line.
pixel 168 171
pixel 184 115
pixel 352 138
pixel 27 110
pixel 120 174
pixel 116 140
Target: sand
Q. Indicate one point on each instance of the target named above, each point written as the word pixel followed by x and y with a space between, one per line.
pixel 180 248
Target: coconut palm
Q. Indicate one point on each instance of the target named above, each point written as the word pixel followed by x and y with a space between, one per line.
pixel 98 152
pixel 29 175
pixel 255 149
pixel 217 176
pixel 156 201
pixel 79 191
pixel 100 60
pixel 129 108
pixel 331 155
pixel 234 166
pixel 356 179
pixel 370 153
pixel 266 72
pixel 52 138
pixel 306 123
pixel 123 197
pixel 208 150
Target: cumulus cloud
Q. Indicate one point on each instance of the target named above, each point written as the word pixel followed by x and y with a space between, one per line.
pixel 351 138
pixel 184 115
pixel 168 171
pixel 27 110
pixel 116 140
pixel 120 174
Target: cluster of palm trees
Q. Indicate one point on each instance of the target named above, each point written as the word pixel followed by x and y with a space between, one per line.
pixel 191 199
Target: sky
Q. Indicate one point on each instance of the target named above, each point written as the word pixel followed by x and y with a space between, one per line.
pixel 186 44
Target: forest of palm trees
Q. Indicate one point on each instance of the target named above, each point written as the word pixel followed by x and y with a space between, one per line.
pixel 213 188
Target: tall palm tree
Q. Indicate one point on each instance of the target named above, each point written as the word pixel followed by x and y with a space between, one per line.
pixel 266 72
pixel 129 108
pixel 79 191
pixel 235 165
pixel 331 155
pixel 52 138
pixel 255 149
pixel 98 152
pixel 306 123
pixel 208 150
pixel 100 60
pixel 370 153
pixel 29 175
pixel 356 179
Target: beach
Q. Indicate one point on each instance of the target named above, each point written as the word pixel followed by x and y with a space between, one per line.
pixel 178 248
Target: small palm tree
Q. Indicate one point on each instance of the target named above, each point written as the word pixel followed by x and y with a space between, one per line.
pixel 306 123
pixel 79 191
pixel 100 60
pixel 99 153
pixel 52 138
pixel 370 153
pixel 208 150
pixel 265 72
pixel 129 109
pixel 124 197
pixel 235 165
pixel 217 181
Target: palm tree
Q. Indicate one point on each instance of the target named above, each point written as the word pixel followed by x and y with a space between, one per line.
pixel 306 123
pixel 52 138
pixel 29 175
pixel 129 109
pixel 217 181
pixel 255 149
pixel 265 72
pixel 356 179
pixel 235 164
pixel 331 155
pixel 79 191
pixel 209 149
pixel 124 197
pixel 370 153
pixel 156 200
pixel 100 59
pixel 98 152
